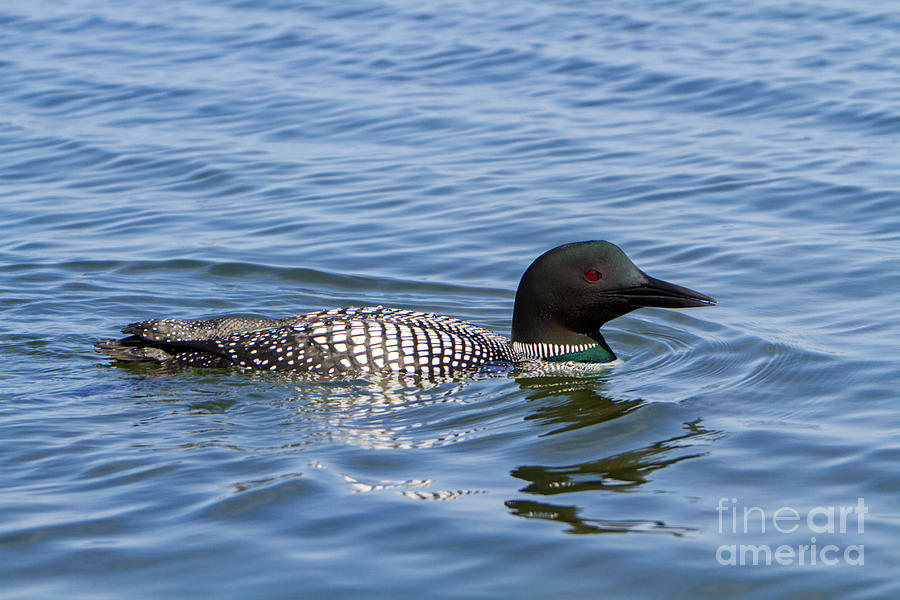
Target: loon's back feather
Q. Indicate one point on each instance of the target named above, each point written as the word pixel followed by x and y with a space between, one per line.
pixel 178 330
pixel 343 340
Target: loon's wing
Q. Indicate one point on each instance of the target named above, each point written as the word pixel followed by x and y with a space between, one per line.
pixel 176 330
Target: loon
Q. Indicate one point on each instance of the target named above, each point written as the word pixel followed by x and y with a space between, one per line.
pixel 563 299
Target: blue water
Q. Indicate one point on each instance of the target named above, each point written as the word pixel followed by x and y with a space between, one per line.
pixel 200 158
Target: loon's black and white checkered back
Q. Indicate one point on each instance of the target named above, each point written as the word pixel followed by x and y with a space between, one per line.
pixel 370 339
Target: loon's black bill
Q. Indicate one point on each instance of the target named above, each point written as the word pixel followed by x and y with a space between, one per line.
pixel 662 294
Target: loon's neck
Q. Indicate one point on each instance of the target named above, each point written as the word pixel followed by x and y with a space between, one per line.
pixel 593 349
pixel 545 337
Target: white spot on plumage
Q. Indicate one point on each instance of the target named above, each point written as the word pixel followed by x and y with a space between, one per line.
pixel 376 337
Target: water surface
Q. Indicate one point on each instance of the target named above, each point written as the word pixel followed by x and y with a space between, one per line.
pixel 201 158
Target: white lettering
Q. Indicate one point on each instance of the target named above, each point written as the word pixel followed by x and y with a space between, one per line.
pixel 821 510
pixel 861 511
pixel 845 510
pixel 825 550
pixel 734 516
pixel 784 555
pixel 732 557
pixel 721 508
pixel 762 518
pixel 786 519
pixel 756 550
pixel 860 551
pixel 793 517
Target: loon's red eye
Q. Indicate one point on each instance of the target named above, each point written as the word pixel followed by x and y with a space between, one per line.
pixel 592 275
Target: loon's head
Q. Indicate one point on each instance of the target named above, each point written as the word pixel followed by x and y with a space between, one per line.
pixel 569 292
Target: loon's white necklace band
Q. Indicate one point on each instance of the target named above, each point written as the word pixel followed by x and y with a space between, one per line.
pixel 543 350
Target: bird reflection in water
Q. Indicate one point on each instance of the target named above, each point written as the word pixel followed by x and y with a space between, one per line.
pixel 623 471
